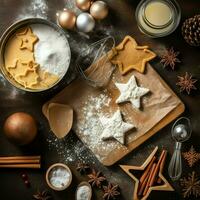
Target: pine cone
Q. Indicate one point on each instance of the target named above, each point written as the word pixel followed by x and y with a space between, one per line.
pixel 191 30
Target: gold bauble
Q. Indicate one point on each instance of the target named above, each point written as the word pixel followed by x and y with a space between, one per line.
pixel 67 19
pixel 83 5
pixel 99 10
pixel 20 128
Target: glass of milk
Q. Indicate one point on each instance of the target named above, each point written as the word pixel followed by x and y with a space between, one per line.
pixel 158 18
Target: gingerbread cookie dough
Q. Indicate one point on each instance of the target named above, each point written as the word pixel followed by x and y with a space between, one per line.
pixel 128 55
pixel 31 59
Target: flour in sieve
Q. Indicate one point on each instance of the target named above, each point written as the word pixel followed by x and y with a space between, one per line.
pixel 52 51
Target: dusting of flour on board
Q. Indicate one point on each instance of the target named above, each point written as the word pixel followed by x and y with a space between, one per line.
pixel 91 128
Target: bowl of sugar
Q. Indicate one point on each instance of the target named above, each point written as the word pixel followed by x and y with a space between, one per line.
pixel 34 54
pixel 58 176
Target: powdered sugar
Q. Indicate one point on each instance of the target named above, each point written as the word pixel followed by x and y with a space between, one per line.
pixel 52 56
pixel 92 113
pixel 59 177
pixel 131 92
pixel 114 127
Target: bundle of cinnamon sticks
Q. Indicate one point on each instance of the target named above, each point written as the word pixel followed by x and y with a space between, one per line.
pixel 150 176
pixel 33 162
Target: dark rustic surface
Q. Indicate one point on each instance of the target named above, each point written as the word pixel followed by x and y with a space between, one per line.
pixel 120 22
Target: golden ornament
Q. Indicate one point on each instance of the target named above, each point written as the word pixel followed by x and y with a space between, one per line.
pixel 83 5
pixel 67 19
pixel 20 128
pixel 99 10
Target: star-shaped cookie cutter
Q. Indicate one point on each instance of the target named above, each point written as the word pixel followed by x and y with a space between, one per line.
pixel 164 187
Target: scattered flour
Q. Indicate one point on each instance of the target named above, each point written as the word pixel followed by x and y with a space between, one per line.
pixel 2 81
pixel 70 149
pixel 90 129
pixel 36 8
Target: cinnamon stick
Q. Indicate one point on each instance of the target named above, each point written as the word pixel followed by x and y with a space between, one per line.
pixel 156 169
pixel 30 166
pixel 19 162
pixel 162 164
pixel 149 179
pixel 143 184
pixel 20 157
pixel 144 175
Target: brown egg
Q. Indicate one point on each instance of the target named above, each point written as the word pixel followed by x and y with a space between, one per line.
pixel 20 128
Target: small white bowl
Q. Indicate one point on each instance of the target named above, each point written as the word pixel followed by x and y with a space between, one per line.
pixel 56 165
pixel 84 184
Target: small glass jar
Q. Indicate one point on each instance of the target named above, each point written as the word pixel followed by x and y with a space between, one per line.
pixel 158 18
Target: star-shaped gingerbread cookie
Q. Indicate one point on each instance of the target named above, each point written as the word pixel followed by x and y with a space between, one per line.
pixel 128 55
pixel 115 127
pixel 131 92
pixel 28 39
pixel 164 186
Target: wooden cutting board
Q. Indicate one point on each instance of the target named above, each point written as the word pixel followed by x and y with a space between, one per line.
pixel 89 104
pixel 78 91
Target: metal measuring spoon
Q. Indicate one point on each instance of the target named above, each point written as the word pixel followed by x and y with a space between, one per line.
pixel 181 131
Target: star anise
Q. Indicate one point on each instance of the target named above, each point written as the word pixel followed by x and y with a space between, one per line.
pixel 82 167
pixel 96 178
pixel 110 191
pixel 170 58
pixel 191 185
pixel 186 83
pixel 42 195
pixel 191 156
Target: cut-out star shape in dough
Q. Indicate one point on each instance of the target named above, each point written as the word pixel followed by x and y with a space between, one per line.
pixel 28 39
pixel 16 68
pixel 29 77
pixel 131 92
pixel 115 127
pixel 128 55
pixel 31 65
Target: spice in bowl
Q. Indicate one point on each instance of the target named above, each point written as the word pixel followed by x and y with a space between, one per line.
pixel 84 191
pixel 59 177
pixel 36 56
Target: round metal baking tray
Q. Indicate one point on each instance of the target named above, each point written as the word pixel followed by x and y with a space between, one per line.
pixel 9 32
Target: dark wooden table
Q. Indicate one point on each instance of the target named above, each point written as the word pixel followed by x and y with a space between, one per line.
pixel 121 21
